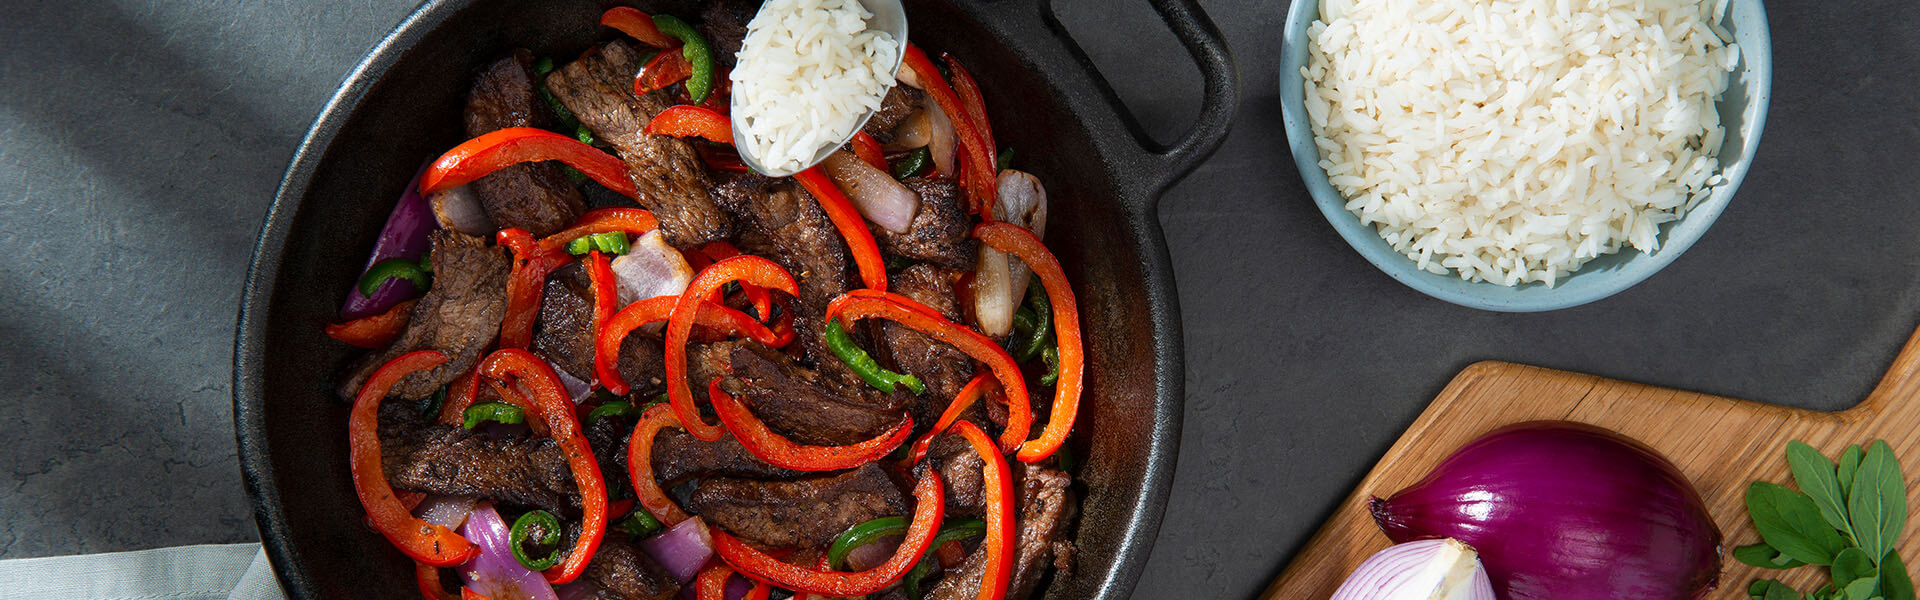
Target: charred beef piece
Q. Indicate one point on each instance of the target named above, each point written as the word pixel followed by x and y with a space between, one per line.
pixel 1047 507
pixel 533 196
pixel 459 317
pixel 450 461
pixel 803 512
pixel 666 171
pixel 608 439
pixel 943 368
pixel 899 103
pixel 624 572
pixel 564 332
pixel 941 233
pixel 724 22
pixel 679 457
pixel 796 401
pixel 960 468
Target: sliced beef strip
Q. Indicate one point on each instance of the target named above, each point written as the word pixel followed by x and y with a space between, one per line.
pixel 943 368
pixel 459 316
pixel 608 439
pixel 450 461
pixel 960 469
pixel 941 233
pixel 666 171
pixel 724 22
pixel 678 457
pixel 623 571
pixel 534 196
pixel 899 103
pixel 564 333
pixel 1047 507
pixel 804 512
pixel 796 402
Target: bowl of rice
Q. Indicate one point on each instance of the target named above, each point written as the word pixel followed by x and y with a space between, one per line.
pixel 1523 155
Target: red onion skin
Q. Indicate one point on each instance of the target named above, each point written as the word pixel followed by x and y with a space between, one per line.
pixel 404 236
pixel 1565 511
pixel 682 549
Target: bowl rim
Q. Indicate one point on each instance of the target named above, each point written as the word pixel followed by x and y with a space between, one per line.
pixel 1629 266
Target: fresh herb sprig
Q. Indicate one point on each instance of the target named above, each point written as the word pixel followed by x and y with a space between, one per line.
pixel 1847 517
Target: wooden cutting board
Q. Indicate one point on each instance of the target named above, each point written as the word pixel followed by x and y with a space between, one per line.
pixel 1721 444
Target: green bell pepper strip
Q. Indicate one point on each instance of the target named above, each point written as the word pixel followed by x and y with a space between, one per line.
pixel 612 243
pixel 1052 356
pixel 548 536
pixel 498 412
pixel 866 533
pixel 640 524
pixel 699 55
pixel 913 163
pixel 863 364
pixel 612 409
pixel 393 268
pixel 1042 332
pixel 1005 160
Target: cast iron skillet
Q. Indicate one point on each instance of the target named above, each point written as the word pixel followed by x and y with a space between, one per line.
pixel 401 106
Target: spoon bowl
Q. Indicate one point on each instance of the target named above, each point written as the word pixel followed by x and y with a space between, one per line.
pixel 888 16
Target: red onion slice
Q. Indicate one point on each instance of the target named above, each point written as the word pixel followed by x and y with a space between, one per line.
pixel 459 209
pixel 446 511
pixel 875 193
pixel 682 549
pixel 650 268
pixel 1441 569
pixel 494 573
pixel 404 236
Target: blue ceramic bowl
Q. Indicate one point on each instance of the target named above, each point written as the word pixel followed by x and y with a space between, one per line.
pixel 1743 111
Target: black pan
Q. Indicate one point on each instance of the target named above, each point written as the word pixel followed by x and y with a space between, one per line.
pixel 402 106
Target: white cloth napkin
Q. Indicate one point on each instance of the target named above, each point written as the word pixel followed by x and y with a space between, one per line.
pixel 208 572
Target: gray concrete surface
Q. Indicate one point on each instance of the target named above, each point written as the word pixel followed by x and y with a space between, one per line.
pixel 141 140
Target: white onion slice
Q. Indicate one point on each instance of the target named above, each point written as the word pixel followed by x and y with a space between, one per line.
pixel 1000 281
pixel 944 143
pixel 446 511
pixel 1442 569
pixel 912 133
pixel 875 193
pixel 459 209
pixel 650 268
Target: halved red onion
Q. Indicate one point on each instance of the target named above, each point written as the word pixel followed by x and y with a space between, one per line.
pixel 404 236
pixel 943 143
pixel 1439 569
pixel 682 549
pixel 494 572
pixel 912 133
pixel 651 268
pixel 1000 281
pixel 459 209
pixel 446 511
pixel 875 193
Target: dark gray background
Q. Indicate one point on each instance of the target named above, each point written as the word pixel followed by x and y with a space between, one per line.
pixel 141 140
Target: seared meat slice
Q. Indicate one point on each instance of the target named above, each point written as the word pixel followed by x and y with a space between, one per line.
pixel 943 368
pixel 666 171
pixel 450 461
pixel 678 457
pixel 960 468
pixel 564 332
pixel 941 233
pixel 724 22
pixel 608 438
pixel 1047 509
pixel 533 196
pixel 459 317
pixel 899 103
pixel 623 571
pixel 797 402
pixel 804 512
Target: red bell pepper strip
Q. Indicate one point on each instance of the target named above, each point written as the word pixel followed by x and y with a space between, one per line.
pixel 428 577
pixel 468 594
pixel 781 452
pixel 961 401
pixel 640 465
pixel 749 269
pixel 852 226
pixel 491 152
pixel 526 285
pixel 606 298
pixel 424 542
pixel 666 68
pixel 719 250
pixel 868 149
pixel 1016 240
pixel 634 221
pixel 547 405
pixel 929 507
pixel 893 307
pixel 712 584
pixel 997 492
pixel 976 156
pixel 638 25
pixel 975 106
pixel 692 121
pixel 374 331
pixel 721 160
pixel 460 395
pixel 606 354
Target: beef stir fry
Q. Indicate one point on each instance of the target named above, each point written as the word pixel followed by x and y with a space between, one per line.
pixel 607 360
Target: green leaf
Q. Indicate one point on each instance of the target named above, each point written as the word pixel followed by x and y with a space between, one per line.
pixel 1815 475
pixel 1849 464
pixel 1877 504
pixel 1862 589
pixel 1768 589
pixel 1789 521
pixel 1895 584
pixel 1764 556
pixel 1851 565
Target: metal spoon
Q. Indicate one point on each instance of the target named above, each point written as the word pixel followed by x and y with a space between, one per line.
pixel 888 16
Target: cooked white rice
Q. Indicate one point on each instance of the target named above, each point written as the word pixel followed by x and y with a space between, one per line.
pixel 1512 141
pixel 806 71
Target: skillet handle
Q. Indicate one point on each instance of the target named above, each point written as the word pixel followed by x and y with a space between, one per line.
pixel 1142 163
